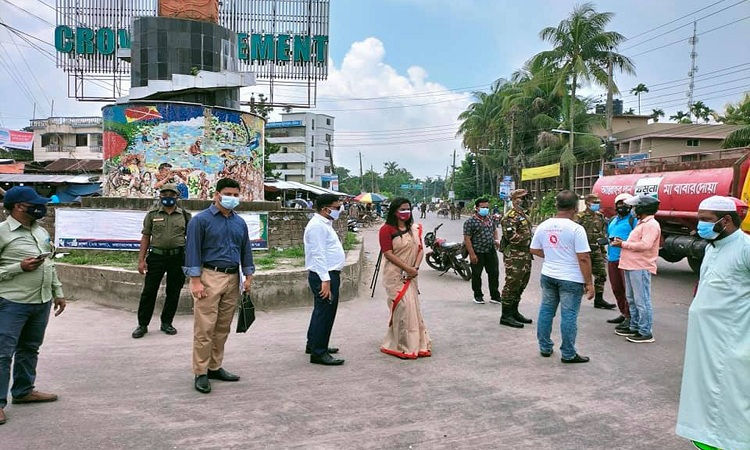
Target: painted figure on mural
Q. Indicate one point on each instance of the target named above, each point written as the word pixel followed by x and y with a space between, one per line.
pixel 204 10
pixel 195 148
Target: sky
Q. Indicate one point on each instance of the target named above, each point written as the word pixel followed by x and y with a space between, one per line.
pixel 401 71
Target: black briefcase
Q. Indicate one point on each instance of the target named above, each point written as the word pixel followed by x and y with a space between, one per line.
pixel 246 313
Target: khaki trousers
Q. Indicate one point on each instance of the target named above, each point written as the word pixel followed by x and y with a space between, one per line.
pixel 213 319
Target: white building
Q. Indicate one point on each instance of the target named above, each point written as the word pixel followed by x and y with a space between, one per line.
pixel 67 137
pixel 306 145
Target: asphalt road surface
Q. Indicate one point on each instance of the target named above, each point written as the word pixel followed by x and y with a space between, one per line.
pixel 485 387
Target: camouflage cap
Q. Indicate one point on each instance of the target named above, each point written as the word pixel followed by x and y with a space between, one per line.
pixel 518 193
pixel 169 187
pixel 592 198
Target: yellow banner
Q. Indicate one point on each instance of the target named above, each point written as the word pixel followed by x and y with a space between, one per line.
pixel 534 173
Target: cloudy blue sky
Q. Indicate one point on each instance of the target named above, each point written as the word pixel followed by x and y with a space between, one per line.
pixel 402 70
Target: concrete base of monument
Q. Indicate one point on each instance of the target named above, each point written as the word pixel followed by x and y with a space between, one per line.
pixel 273 289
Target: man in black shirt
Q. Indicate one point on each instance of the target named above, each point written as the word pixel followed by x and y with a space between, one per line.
pixel 480 238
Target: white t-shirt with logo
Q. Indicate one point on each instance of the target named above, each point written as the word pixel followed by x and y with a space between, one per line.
pixel 561 239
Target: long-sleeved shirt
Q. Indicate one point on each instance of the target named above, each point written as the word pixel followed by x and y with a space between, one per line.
pixel 16 244
pixel 218 241
pixel 641 250
pixel 323 250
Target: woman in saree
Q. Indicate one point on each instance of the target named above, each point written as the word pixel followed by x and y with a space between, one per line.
pixel 401 245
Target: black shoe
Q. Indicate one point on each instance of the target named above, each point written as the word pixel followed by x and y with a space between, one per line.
pixel 479 300
pixel 326 360
pixel 223 375
pixel 618 319
pixel 508 319
pixel 576 359
pixel 202 384
pixel 140 331
pixel 330 350
pixel 496 301
pixel 624 326
pixel 546 354
pixel 168 329
pixel 600 303
pixel 626 333
pixel 519 317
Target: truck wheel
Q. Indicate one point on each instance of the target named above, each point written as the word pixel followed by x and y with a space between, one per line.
pixel 669 256
pixel 695 264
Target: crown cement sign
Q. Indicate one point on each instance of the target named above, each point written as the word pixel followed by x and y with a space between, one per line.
pixel 253 47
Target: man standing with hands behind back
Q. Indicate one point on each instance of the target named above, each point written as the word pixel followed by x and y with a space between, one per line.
pixel 218 247
pixel 162 251
pixel 28 286
pixel 324 259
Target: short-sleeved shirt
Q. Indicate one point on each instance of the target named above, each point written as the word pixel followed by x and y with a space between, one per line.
pixel 387 234
pixel 481 231
pixel 561 240
pixel 167 231
pixel 619 227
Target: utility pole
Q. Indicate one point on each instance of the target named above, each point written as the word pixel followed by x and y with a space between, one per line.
pixel 372 177
pixel 693 41
pixel 361 175
pixel 608 146
pixel 453 172
pixel 330 158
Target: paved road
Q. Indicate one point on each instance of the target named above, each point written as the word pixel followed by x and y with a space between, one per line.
pixel 485 387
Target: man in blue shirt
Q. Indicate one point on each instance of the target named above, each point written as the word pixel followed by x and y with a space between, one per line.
pixel 620 226
pixel 217 248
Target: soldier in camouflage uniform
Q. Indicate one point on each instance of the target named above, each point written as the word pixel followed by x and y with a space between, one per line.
pixel 516 228
pixel 595 225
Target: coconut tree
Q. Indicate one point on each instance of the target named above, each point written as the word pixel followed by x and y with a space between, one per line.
pixel 656 113
pixel 681 117
pixel 701 111
pixel 637 91
pixel 581 50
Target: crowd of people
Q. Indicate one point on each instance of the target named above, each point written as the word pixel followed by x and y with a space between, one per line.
pixel 213 251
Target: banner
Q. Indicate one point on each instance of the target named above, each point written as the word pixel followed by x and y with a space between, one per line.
pixel 100 229
pixel 534 173
pixel 20 140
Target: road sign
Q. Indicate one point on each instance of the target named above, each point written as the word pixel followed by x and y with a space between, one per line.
pixel 406 186
pixel 418 187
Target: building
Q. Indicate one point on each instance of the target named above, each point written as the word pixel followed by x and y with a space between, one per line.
pixel 67 137
pixel 306 145
pixel 689 142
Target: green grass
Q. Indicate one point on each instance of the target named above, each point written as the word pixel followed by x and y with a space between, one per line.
pixel 350 240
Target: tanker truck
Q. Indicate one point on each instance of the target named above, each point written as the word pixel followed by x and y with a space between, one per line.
pixel 680 187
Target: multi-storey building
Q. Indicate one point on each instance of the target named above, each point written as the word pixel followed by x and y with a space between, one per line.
pixel 67 137
pixel 306 145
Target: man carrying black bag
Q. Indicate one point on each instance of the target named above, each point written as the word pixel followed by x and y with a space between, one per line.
pixel 246 315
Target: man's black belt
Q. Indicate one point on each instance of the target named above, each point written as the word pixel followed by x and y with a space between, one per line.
pixel 167 251
pixel 221 269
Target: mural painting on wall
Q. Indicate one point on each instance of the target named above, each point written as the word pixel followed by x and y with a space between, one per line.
pixel 193 146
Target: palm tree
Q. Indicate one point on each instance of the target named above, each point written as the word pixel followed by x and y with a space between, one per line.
pixel 581 50
pixel 390 167
pixel 638 90
pixel 701 111
pixel 681 117
pixel 656 113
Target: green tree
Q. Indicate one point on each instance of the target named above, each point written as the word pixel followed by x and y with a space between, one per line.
pixel 637 91
pixel 737 114
pixel 581 50
pixel 681 117
pixel 656 113
pixel 262 109
pixel 701 111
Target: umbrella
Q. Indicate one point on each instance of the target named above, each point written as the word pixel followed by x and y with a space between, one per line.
pixel 369 197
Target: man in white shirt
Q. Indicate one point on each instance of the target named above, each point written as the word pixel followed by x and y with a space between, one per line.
pixel 324 259
pixel 566 276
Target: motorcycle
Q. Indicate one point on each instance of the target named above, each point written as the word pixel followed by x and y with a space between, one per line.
pixel 445 255
pixel 352 225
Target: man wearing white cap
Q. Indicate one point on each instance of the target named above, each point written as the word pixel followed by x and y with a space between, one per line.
pixel 714 408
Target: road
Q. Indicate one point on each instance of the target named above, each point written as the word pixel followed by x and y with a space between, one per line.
pixel 485 387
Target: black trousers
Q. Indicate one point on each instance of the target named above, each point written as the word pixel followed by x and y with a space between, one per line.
pixel 489 263
pixel 324 313
pixel 158 265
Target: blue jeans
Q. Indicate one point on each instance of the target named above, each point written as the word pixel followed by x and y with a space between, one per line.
pixel 568 295
pixel 638 292
pixel 22 329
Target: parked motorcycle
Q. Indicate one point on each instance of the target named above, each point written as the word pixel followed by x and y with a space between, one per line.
pixel 444 256
pixel 352 225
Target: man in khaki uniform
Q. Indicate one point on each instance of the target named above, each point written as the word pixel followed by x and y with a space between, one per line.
pixel 162 251
pixel 595 225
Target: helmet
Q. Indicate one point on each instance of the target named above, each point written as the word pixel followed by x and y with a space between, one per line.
pixel 623 197
pixel 645 205
pixel 518 193
pixel 429 239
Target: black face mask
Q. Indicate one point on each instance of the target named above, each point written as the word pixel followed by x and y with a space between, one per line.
pixel 37 211
pixel 623 211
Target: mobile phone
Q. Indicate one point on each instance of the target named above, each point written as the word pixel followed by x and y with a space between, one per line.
pixel 611 239
pixel 44 255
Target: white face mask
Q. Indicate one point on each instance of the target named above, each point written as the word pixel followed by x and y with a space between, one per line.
pixel 334 213
pixel 229 202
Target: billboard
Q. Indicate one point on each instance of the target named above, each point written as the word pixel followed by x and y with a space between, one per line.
pixel 20 140
pixel 199 145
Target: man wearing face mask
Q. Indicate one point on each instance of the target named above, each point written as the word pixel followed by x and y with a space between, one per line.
pixel 517 235
pixel 217 249
pixel 596 231
pixel 619 226
pixel 324 259
pixel 28 287
pixel 713 400
pixel 638 261
pixel 162 252
pixel 480 239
